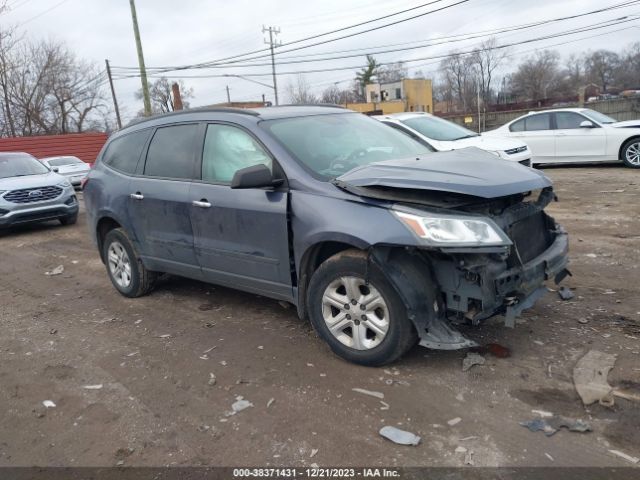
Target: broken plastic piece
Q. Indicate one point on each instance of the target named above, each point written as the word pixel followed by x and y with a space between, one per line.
pixel 470 360
pixel 401 437
pixel 565 293
pixel 590 377
pixel 56 271
pixel 240 404
pixel 551 425
pixel 49 404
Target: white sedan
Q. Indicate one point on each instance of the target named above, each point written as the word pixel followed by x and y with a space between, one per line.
pixel 575 135
pixel 442 135
pixel 71 167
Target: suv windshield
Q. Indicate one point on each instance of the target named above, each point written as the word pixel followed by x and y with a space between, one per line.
pixel 333 144
pixel 597 116
pixel 438 129
pixel 61 161
pixel 17 165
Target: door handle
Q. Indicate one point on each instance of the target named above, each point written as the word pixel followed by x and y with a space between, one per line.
pixel 201 203
pixel 137 196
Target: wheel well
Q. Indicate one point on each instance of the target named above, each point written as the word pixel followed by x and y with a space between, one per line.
pixel 105 225
pixel 310 262
pixel 636 137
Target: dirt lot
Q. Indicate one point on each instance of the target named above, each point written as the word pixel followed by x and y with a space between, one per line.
pixel 153 357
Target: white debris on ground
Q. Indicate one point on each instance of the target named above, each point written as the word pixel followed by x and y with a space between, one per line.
pixel 590 377
pixel 48 404
pixel 240 404
pixel 379 395
pixel 401 437
pixel 454 421
pixel 56 271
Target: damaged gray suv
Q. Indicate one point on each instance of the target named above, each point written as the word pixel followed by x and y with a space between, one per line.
pixel 379 242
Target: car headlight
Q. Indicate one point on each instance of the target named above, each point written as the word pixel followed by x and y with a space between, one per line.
pixel 65 184
pixel 445 230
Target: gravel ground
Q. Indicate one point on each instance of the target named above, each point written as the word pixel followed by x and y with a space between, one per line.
pixel 154 358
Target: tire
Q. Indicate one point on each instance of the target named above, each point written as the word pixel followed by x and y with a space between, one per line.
pixel 124 267
pixel 631 153
pixel 371 347
pixel 70 220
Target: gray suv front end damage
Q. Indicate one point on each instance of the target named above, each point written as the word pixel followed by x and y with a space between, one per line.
pixel 475 282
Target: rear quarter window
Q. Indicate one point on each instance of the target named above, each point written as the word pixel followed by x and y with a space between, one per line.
pixel 123 153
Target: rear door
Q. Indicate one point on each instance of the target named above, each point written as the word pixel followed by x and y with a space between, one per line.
pixel 159 200
pixel 576 144
pixel 537 132
pixel 241 235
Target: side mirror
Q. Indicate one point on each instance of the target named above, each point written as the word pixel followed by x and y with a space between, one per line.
pixel 55 169
pixel 587 124
pixel 256 176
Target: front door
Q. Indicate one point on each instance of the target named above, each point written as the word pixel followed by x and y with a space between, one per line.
pixel 160 201
pixel 240 235
pixel 577 144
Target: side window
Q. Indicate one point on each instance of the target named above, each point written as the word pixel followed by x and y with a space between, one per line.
pixel 228 149
pixel 172 152
pixel 538 122
pixel 124 152
pixel 566 120
pixel 517 126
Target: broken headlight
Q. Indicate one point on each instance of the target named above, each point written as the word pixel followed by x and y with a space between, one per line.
pixel 454 230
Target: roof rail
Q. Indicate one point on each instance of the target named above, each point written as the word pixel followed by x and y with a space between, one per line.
pixel 326 105
pixel 245 111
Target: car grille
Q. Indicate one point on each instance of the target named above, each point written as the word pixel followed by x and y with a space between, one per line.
pixel 33 195
pixel 513 151
pixel 531 236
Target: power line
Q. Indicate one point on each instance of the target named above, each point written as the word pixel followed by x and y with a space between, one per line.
pixel 497 47
pixel 441 40
pixel 204 65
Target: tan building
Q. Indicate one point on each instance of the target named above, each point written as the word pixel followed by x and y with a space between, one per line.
pixel 407 95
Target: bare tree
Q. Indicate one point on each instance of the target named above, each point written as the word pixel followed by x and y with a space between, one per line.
pixel 458 79
pixel 47 90
pixel 392 72
pixel 337 96
pixel 601 67
pixel 161 95
pixel 486 60
pixel 300 92
pixel 537 76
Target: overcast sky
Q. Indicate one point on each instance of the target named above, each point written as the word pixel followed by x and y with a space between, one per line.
pixel 193 31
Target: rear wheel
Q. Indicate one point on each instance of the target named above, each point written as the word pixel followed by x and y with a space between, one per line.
pixel 631 153
pixel 364 322
pixel 125 269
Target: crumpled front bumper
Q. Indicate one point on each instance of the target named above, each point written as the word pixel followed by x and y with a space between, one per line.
pixel 486 286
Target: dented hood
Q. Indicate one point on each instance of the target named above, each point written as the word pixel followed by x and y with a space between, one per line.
pixel 469 171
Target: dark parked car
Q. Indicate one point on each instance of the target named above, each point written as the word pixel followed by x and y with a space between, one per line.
pixel 30 192
pixel 379 242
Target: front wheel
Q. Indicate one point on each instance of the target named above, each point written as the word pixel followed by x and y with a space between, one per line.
pixel 356 310
pixel 126 271
pixel 631 153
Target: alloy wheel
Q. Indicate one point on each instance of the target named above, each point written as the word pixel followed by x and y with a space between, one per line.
pixel 632 154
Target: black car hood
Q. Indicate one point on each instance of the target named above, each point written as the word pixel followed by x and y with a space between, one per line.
pixel 468 171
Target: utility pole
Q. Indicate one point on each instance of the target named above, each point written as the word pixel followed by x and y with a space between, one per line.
pixel 478 88
pixel 228 96
pixel 113 94
pixel 143 70
pixel 272 43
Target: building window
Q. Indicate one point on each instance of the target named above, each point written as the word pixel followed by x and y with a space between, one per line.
pixel 398 93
